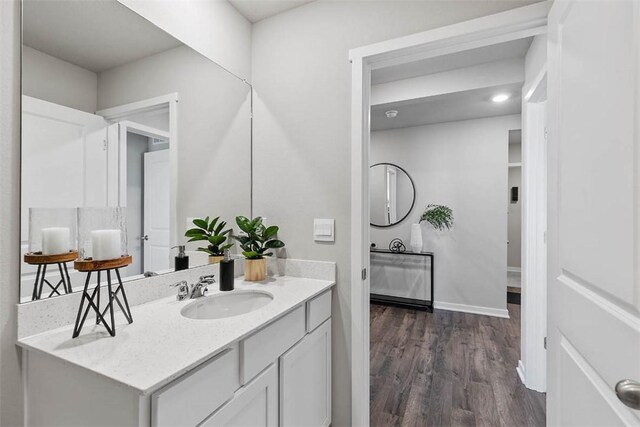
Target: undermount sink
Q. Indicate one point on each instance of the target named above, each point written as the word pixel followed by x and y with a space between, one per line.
pixel 224 305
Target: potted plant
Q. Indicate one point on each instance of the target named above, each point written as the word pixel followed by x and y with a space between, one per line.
pixel 214 233
pixel 439 216
pixel 256 244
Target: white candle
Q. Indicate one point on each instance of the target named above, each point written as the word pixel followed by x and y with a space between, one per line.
pixel 55 240
pixel 105 244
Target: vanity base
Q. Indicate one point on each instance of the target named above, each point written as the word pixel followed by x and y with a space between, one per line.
pixel 93 302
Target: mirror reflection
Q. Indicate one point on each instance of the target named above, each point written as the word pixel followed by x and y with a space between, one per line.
pixel 113 111
pixel 392 194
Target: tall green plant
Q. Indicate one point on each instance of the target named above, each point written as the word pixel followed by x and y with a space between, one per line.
pixel 258 239
pixel 211 231
pixel 439 216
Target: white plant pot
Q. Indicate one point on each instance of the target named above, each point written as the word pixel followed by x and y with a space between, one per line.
pixel 416 238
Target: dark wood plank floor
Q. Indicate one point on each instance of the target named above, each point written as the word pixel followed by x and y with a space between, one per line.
pixel 448 369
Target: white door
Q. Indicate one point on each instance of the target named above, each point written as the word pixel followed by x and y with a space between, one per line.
pixel 254 405
pixel 305 381
pixel 64 154
pixel 594 211
pixel 156 210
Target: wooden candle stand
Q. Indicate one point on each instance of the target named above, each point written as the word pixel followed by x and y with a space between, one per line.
pixel 42 261
pixel 93 299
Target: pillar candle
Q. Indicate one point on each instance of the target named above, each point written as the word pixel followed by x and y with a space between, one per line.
pixel 55 240
pixel 105 244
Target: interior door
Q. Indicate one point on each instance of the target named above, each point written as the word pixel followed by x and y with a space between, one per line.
pixel 156 210
pixel 594 208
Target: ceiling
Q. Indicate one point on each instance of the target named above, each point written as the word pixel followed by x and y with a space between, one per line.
pixel 256 10
pixel 466 105
pixel 513 49
pixel 105 34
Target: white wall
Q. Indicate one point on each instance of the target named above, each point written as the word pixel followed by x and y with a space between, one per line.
pixel 514 230
pixel 10 379
pixel 212 27
pixel 214 128
pixel 302 82
pixel 462 165
pixel 51 79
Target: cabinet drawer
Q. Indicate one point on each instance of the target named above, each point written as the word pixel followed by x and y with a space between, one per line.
pixel 265 346
pixel 191 398
pixel 318 310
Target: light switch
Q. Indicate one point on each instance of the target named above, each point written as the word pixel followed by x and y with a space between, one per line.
pixel 324 230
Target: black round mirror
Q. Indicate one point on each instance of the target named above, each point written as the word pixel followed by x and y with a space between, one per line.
pixel 391 194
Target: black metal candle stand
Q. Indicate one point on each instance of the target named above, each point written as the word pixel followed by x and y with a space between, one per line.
pixel 92 296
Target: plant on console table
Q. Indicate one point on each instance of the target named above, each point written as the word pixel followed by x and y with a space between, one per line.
pixel 256 244
pixel 439 216
pixel 214 234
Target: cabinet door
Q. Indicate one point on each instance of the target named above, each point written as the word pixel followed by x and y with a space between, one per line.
pixel 305 381
pixel 254 405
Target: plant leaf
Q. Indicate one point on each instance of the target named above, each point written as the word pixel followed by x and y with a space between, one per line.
pixel 197 239
pixel 213 223
pixel 205 250
pixel 243 223
pixel 217 240
pixel 201 223
pixel 270 231
pixel 192 232
pixel 274 244
pixel 251 254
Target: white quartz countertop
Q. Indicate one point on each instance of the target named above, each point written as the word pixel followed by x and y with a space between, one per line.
pixel 161 345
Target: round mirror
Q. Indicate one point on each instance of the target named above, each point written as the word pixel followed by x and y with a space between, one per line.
pixel 392 194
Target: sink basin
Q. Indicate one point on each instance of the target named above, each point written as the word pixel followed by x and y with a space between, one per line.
pixel 224 305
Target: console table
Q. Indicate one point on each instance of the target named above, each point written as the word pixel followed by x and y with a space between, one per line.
pixel 417 304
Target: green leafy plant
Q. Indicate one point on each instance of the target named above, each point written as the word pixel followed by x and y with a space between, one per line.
pixel 258 239
pixel 211 231
pixel 439 216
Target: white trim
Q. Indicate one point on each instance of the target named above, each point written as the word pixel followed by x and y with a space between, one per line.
pixel 144 130
pixel 151 104
pixel 473 309
pixel 514 269
pixel 520 371
pixel 514 165
pixel 513 24
pixel 534 225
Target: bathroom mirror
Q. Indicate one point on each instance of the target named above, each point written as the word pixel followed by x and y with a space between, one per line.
pixel 118 113
pixel 392 194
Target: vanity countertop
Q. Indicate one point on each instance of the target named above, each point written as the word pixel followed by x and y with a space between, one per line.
pixel 161 344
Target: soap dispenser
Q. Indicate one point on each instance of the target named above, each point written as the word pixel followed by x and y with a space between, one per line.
pixel 227 275
pixel 181 260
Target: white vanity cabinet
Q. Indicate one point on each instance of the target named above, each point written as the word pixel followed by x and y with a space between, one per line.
pixel 277 376
pixel 305 381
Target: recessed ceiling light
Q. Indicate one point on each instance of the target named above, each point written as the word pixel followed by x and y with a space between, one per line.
pixel 392 114
pixel 500 97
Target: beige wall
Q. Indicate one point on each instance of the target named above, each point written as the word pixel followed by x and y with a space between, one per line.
pixel 301 76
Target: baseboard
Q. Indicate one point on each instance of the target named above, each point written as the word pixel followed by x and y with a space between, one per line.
pixel 520 370
pixel 473 309
pixel 514 269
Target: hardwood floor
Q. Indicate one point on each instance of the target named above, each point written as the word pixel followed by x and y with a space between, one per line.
pixel 448 369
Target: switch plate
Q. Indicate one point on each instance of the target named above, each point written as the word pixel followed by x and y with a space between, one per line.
pixel 324 230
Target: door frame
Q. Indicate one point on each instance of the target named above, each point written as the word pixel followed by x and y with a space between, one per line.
pixel 502 27
pixel 533 354
pixel 170 100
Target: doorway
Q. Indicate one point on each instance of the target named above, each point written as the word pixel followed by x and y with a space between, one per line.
pixel 513 25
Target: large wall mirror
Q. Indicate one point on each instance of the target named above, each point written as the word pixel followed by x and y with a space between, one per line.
pixel 118 113
pixel 392 194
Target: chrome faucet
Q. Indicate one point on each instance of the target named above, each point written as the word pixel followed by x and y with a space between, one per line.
pixel 198 290
pixel 183 290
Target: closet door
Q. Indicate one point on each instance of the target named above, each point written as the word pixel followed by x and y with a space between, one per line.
pixel 305 381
